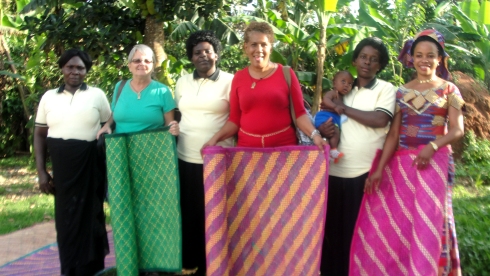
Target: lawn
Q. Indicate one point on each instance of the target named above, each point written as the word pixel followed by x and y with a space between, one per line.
pixel 22 205
pixel 471 206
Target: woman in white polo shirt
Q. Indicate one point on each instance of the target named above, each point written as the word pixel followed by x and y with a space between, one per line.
pixel 203 101
pixel 369 107
pixel 67 122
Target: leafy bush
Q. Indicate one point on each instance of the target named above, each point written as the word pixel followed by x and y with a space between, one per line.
pixel 472 216
pixel 475 166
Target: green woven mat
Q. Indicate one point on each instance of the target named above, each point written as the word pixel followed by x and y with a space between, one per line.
pixel 144 196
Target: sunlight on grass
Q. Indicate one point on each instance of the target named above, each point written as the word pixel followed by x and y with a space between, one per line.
pixel 18 212
pixel 21 203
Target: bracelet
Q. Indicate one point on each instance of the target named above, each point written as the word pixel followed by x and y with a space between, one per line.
pixel 434 145
pixel 314 133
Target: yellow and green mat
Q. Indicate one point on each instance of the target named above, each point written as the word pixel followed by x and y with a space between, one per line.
pixel 144 197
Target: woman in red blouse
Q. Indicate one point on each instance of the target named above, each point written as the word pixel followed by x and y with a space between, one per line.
pixel 259 99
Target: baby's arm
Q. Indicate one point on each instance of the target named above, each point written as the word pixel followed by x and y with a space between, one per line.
pixel 339 109
pixel 328 101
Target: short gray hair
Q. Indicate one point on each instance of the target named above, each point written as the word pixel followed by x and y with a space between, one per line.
pixel 143 49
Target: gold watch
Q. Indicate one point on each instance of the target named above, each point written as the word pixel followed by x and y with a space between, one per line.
pixel 434 145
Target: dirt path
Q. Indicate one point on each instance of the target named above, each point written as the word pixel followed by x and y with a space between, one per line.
pixel 22 242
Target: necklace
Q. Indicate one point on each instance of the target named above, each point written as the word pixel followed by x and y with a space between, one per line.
pixel 138 93
pixel 254 83
pixel 426 81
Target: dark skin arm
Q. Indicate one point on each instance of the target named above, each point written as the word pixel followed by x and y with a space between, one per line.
pixel 391 142
pixel 40 148
pixel 374 119
pixel 327 129
pixel 329 104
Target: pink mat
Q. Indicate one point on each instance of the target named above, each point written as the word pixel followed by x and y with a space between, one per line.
pixel 399 227
pixel 265 210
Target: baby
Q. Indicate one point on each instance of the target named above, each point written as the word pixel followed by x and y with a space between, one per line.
pixel 342 85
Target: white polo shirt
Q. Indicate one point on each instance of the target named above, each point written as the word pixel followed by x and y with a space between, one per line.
pixel 358 142
pixel 205 107
pixel 73 116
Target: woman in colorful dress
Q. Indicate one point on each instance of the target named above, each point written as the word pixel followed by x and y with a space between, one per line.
pixel 428 118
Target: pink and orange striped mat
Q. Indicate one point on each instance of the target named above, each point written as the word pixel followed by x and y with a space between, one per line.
pixel 265 210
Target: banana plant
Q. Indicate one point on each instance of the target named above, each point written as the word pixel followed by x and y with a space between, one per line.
pixel 475 19
pixel 11 24
pixel 479 13
pixel 324 9
pixel 472 32
pixel 394 24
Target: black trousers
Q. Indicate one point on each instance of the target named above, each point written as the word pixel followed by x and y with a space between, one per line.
pixel 193 216
pixel 344 200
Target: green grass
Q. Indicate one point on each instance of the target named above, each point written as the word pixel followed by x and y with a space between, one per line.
pixel 18 212
pixel 471 206
pixel 20 161
pixel 21 203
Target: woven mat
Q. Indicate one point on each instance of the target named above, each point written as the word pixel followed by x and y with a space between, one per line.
pixel 265 210
pixel 144 196
pixel 45 261
pixel 399 227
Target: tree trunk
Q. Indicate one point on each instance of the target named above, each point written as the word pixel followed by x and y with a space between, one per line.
pixel 154 38
pixel 319 70
pixel 20 87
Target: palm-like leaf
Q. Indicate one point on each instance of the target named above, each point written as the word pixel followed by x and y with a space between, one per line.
pixel 182 30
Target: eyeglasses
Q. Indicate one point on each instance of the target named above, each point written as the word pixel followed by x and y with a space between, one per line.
pixel 138 61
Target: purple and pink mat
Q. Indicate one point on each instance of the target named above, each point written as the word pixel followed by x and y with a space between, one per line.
pixel 265 210
pixel 45 261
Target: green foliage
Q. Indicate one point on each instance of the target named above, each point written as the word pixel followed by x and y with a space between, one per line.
pixel 104 34
pixel 13 135
pixel 471 207
pixel 233 59
pixel 11 123
pixel 475 167
pixel 469 38
pixel 395 24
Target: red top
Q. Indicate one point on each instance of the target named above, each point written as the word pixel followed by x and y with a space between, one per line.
pixel 265 108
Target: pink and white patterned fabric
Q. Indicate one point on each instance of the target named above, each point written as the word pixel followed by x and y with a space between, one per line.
pixel 398 230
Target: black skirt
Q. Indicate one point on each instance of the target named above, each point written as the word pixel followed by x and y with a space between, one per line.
pixel 79 176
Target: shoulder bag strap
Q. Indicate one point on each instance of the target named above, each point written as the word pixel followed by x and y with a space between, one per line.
pixel 121 85
pixel 287 75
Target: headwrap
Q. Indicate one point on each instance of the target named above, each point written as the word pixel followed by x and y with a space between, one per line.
pixel 406 59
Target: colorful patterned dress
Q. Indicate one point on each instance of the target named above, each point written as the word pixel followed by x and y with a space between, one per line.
pixel 424 119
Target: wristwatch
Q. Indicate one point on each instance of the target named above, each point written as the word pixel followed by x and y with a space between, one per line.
pixel 314 133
